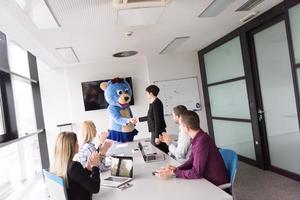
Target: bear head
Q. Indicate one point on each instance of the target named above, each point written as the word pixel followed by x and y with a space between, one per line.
pixel 117 92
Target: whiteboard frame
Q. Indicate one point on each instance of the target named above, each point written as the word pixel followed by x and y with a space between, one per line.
pixel 196 77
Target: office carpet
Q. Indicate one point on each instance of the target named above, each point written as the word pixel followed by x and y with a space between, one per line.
pixel 253 183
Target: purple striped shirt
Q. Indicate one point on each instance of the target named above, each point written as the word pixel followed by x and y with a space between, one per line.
pixel 205 161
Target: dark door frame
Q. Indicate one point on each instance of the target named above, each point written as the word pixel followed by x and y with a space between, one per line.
pixel 278 12
pixel 258 92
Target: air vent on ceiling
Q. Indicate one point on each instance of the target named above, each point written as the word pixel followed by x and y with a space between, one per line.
pixel 215 8
pixel 127 4
pixel 249 5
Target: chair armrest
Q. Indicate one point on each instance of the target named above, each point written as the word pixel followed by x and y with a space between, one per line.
pixel 225 186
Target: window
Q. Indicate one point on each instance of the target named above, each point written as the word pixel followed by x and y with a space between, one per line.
pixel 294 14
pixel 23 98
pixel 18 59
pixel 20 165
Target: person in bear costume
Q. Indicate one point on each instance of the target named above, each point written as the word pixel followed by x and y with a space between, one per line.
pixel 117 93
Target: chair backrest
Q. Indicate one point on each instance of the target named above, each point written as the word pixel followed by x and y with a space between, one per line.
pixel 55 186
pixel 230 159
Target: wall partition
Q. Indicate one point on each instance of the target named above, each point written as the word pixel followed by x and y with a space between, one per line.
pixel 230 116
pixel 251 90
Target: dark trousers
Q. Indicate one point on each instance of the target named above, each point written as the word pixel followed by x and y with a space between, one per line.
pixel 162 146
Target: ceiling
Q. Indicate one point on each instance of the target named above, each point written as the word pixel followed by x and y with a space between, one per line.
pixel 90 27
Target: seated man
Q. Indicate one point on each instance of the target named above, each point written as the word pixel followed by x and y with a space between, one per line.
pixel 205 160
pixel 181 150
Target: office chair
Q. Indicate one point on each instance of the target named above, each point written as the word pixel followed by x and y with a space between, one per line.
pixel 55 185
pixel 231 160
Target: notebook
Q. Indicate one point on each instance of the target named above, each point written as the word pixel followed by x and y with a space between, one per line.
pixel 121 171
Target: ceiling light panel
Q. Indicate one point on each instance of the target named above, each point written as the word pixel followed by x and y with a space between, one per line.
pixel 174 44
pixel 68 55
pixel 39 12
pixel 215 8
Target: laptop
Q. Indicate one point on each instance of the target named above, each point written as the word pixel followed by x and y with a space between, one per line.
pixel 149 154
pixel 121 171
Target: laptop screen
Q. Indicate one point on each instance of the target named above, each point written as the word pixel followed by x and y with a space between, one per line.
pixel 122 166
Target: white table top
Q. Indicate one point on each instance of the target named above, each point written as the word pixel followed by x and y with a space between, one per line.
pixel 148 187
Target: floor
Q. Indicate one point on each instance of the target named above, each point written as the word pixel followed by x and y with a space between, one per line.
pixel 253 183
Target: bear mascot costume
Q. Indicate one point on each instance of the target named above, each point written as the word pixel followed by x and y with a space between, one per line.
pixel 117 93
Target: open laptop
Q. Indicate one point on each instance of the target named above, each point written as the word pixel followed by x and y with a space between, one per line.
pixel 121 171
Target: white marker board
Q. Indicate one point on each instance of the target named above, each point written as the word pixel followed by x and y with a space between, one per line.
pixel 175 92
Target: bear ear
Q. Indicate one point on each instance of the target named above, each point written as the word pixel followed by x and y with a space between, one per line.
pixel 103 85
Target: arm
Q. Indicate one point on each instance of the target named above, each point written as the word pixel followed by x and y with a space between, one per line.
pixel 90 183
pixel 143 119
pixel 187 165
pixel 184 142
pixel 199 163
pixel 116 116
pixel 158 119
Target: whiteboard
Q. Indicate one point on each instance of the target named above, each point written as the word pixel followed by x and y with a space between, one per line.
pixel 175 92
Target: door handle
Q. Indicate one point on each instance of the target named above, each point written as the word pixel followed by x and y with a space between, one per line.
pixel 260 114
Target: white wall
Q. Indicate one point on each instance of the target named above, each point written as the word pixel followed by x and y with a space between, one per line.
pixel 137 69
pixel 62 94
pixel 55 100
pixel 175 66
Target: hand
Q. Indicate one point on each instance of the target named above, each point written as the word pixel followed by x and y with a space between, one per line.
pixel 166 138
pixel 105 146
pixel 93 160
pixel 133 120
pixel 164 173
pixel 171 167
pixel 157 141
pixel 102 136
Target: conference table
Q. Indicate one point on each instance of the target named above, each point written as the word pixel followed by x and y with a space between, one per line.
pixel 145 186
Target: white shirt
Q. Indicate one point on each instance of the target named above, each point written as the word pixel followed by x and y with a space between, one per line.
pixel 181 150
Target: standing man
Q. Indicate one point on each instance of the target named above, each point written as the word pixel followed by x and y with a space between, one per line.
pixel 205 160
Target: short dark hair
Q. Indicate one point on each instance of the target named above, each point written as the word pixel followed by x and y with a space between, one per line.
pixel 190 119
pixel 178 110
pixel 153 89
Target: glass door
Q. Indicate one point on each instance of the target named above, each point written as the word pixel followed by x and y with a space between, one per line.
pixel 277 111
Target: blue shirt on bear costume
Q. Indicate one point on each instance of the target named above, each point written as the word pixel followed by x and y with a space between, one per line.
pixel 118 94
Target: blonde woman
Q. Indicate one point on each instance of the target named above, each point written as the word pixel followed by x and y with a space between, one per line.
pixel 88 133
pixel 81 182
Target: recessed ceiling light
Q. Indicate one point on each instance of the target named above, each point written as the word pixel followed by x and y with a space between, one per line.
pixel 68 54
pixel 128 33
pixel 40 13
pixel 215 8
pixel 125 54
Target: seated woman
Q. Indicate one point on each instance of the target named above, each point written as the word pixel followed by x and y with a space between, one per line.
pixel 80 182
pixel 88 133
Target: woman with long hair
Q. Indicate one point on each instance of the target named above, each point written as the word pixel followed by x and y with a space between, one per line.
pixel 80 182
pixel 88 133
